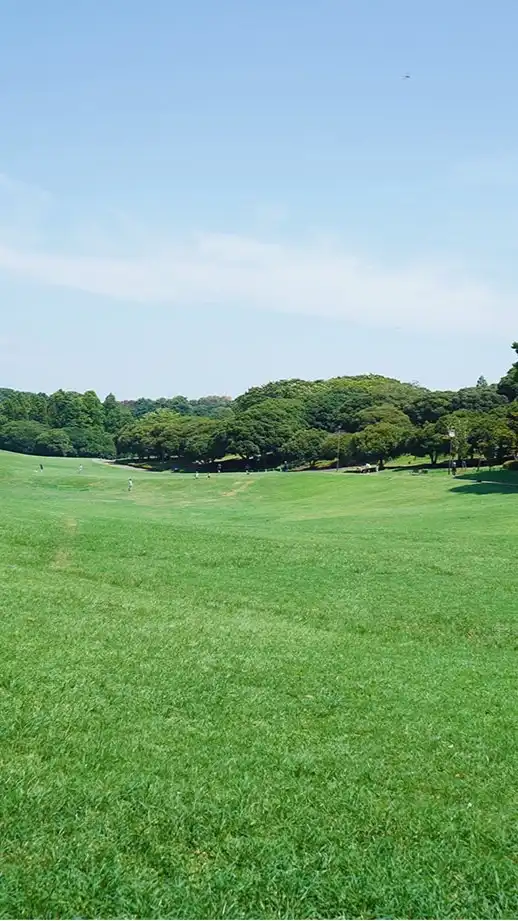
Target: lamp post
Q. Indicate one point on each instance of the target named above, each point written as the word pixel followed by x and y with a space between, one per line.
pixel 339 433
pixel 451 434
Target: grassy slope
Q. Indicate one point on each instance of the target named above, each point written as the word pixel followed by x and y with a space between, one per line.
pixel 282 695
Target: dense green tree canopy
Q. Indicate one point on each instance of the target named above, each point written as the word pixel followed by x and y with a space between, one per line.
pixel 429 406
pixel 334 408
pixel 263 428
pixel 478 399
pixel 304 446
pixel 21 435
pixel 370 416
pixel 508 384
pixel 428 441
pixel 115 414
pixel 384 412
pixel 380 442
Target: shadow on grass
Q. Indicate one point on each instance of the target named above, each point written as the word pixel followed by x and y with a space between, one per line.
pixel 485 482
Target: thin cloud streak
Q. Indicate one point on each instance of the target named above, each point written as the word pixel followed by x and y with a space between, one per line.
pixel 215 270
pixel 19 189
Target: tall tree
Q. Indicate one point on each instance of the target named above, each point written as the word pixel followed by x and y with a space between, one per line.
pixel 380 442
pixel 53 443
pixel 115 415
pixel 305 446
pixel 492 437
pixel 461 423
pixel 200 441
pixel 508 384
pixel 38 407
pixel 429 441
pixel 21 436
pixel 91 410
pixel 515 366
pixel 264 427
pixel 64 408
pixel 512 417
pixel 16 406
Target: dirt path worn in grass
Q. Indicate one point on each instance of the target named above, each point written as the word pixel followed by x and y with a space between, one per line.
pixel 238 489
pixel 63 555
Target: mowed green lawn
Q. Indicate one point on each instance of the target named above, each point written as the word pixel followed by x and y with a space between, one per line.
pixel 268 696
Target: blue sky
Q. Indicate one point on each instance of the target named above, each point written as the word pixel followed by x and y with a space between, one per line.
pixel 196 198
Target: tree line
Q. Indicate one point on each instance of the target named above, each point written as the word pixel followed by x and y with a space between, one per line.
pixel 357 419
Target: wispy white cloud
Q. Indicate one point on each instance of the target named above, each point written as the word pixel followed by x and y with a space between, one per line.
pixel 319 278
pixel 19 189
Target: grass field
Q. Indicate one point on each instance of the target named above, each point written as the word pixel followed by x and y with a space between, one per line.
pixel 269 696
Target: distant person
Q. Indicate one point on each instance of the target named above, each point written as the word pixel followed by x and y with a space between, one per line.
pixel 464 465
pixel 208 476
pixel 197 475
pixel 80 468
pixel 219 468
pixel 454 468
pixel 41 466
pixel 130 484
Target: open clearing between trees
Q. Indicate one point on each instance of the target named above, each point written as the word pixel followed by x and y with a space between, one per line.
pixel 282 695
